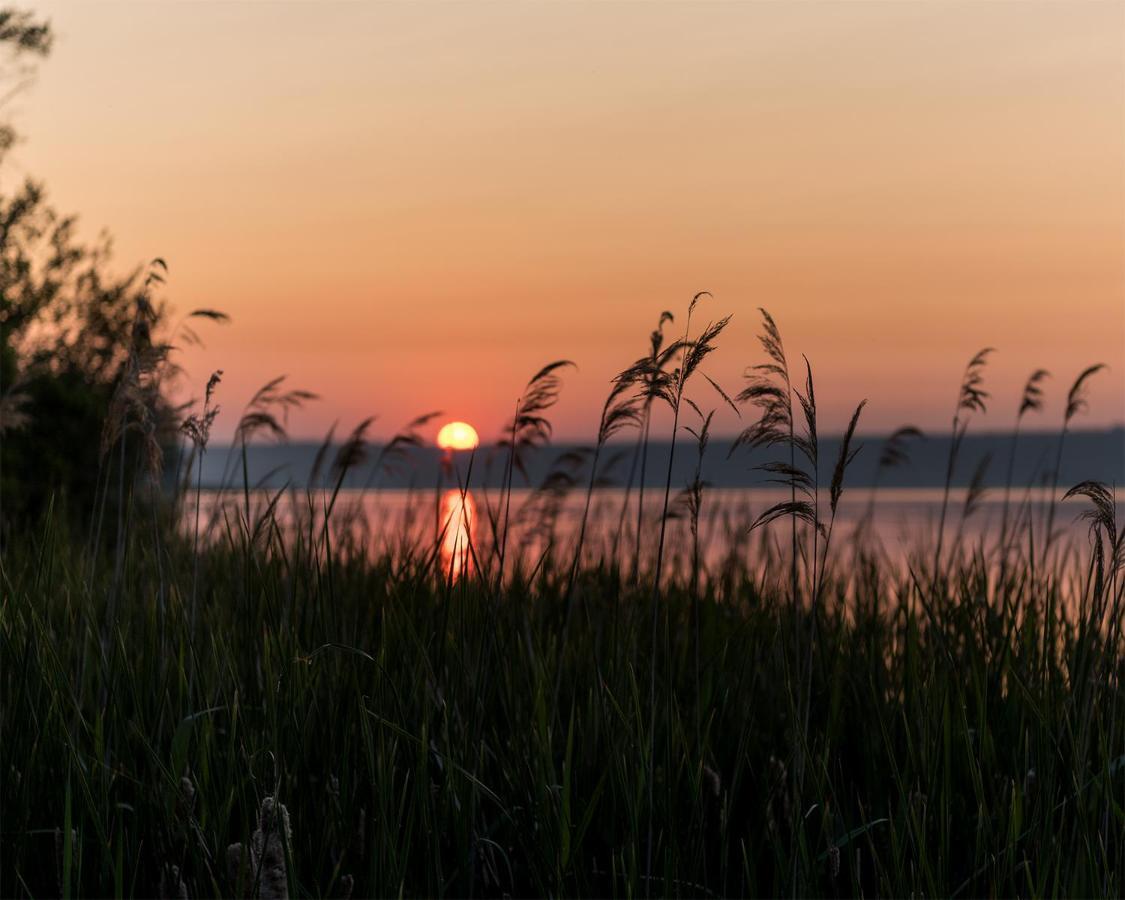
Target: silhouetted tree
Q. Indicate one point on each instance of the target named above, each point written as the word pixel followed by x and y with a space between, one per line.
pixel 68 326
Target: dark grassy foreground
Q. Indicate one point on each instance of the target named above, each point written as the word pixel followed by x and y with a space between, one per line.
pixel 958 743
pixel 271 711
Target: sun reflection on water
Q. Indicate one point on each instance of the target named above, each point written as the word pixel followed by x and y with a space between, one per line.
pixel 458 529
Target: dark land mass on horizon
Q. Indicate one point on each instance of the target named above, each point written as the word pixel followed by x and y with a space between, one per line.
pixel 1090 454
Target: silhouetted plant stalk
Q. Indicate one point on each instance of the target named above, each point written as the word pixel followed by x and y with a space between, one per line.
pixel 894 453
pixel 836 489
pixel 974 496
pixel 693 498
pixel 655 382
pixel 769 389
pixel 539 514
pixel 1075 403
pixel 1107 540
pixel 268 412
pixel 693 493
pixel 1030 401
pixel 970 399
pixel 530 429
pixel 843 461
pixel 306 517
pixel 621 410
pixel 658 361
pixel 393 456
pixel 198 429
pixel 1104 535
pixel 811 449
pixel 133 407
pixel 351 454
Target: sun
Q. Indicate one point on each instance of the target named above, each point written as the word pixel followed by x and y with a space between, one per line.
pixel 457 436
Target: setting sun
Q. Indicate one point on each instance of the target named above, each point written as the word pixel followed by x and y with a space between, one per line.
pixel 457 436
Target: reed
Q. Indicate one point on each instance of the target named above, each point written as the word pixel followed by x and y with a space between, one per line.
pixel 1031 400
pixel 970 398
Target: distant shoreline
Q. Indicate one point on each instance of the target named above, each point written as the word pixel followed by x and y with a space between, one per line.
pixel 1088 455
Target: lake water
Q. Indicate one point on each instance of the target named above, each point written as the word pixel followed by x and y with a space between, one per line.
pixel 466 531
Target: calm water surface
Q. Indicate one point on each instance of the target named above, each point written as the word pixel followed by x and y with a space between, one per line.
pixel 467 529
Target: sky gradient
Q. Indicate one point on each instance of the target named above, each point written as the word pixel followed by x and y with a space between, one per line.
pixel 413 207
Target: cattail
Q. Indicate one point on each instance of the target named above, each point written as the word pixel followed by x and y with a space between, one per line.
pixel 239 869
pixel 833 862
pixel 262 864
pixel 269 844
pixel 185 799
pixel 172 886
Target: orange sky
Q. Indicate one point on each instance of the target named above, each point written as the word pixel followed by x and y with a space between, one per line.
pixel 413 206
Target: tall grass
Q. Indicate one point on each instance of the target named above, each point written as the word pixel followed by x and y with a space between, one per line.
pixel 284 709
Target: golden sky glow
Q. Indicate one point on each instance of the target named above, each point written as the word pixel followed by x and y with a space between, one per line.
pixel 409 206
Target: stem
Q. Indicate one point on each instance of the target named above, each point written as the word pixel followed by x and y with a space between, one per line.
pixel 508 495
pixel 955 442
pixel 1007 495
pixel 641 492
pixel 568 599
pixel 628 490
pixel 655 621
pixel 195 540
pixel 1049 537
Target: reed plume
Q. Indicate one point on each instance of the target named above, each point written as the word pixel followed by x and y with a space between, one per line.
pixel 648 371
pixel 1031 400
pixel 894 453
pixel 529 429
pixel 267 412
pixel 971 398
pixel 669 387
pixel 769 388
pixel 351 454
pixel 974 496
pixel 1076 402
pixel 392 455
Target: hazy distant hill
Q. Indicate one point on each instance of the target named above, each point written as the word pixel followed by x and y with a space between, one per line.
pixel 1087 455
